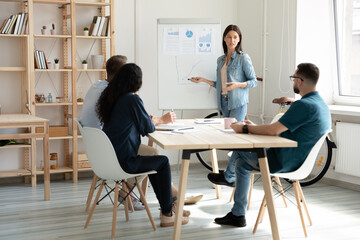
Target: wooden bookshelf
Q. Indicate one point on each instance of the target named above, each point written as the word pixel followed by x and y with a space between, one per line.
pixel 68 38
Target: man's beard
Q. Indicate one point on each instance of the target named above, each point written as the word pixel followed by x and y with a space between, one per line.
pixel 296 90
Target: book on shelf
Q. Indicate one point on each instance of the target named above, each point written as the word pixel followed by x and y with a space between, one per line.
pixel 24 25
pixel 4 24
pixel 21 21
pixel 96 27
pixel 40 60
pixel 105 31
pixel 12 25
pixel 92 25
pixel 15 24
pixel 101 26
pixel 4 31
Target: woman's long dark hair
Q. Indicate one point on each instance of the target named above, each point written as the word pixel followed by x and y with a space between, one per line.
pixel 235 28
pixel 127 80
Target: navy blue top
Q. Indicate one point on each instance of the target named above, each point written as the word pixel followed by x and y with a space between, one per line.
pixel 307 120
pixel 128 121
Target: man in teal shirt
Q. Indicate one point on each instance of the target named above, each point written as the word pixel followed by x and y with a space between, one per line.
pixel 305 122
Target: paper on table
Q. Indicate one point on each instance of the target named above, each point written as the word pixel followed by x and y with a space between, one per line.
pixel 209 121
pixel 227 130
pixel 169 126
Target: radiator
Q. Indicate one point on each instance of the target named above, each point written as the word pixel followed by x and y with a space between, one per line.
pixel 348 148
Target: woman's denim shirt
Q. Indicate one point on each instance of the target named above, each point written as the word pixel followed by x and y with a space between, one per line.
pixel 239 69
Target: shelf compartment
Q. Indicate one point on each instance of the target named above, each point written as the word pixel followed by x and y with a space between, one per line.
pixel 92 37
pixel 92 4
pixel 12 69
pixel 53 70
pixel 51 36
pixel 57 170
pixel 14 35
pixel 91 70
pixel 57 138
pixel 15 173
pixel 52 2
pixel 53 104
pixel 16 146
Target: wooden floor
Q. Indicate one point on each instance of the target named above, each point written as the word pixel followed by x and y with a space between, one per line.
pixel 335 214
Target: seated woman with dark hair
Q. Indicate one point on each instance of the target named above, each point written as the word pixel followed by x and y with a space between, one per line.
pixel 122 112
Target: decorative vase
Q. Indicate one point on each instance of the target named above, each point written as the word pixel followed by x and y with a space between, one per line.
pixel 43 31
pixel 57 65
pixel 97 61
pixel 86 33
pixel 84 66
pixel 52 31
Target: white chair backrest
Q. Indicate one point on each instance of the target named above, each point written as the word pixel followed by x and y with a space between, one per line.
pixel 277 117
pixel 305 169
pixel 102 156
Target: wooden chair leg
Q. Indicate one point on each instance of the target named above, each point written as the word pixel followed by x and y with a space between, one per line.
pixel 251 188
pixel 261 210
pixel 91 192
pixel 297 196
pixel 129 199
pixel 232 195
pixel 94 204
pixel 143 199
pixel 304 202
pixel 126 201
pixel 144 185
pixel 281 190
pixel 215 166
pixel 116 197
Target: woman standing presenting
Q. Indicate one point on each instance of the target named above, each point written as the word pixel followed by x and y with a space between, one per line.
pixel 234 76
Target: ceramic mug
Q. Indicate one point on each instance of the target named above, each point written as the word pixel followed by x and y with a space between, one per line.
pixel 228 122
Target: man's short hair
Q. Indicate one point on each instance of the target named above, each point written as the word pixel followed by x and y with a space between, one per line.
pixel 114 63
pixel 308 71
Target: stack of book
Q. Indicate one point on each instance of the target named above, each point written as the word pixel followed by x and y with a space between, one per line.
pixel 15 24
pixel 100 26
pixel 40 60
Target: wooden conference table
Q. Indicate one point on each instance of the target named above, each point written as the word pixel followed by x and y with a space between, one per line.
pixel 29 121
pixel 210 137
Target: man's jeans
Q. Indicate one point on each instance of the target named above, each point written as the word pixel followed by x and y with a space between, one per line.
pixel 244 163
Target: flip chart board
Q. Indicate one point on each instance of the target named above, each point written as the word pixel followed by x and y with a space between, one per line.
pixel 187 48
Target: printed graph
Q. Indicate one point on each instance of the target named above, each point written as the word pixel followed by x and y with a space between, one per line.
pixel 205 43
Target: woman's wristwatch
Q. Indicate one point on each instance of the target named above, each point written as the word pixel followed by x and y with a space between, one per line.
pixel 245 129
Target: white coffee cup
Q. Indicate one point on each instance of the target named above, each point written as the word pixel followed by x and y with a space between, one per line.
pixel 228 122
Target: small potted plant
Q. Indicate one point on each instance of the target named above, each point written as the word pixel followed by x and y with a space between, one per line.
pixel 86 31
pixel 56 61
pixel 84 64
pixel 43 30
pixel 52 31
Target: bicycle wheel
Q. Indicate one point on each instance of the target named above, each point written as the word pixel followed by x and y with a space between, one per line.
pixel 198 155
pixel 321 165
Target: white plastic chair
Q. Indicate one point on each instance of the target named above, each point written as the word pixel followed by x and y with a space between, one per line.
pixel 95 180
pixel 302 172
pixel 103 160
